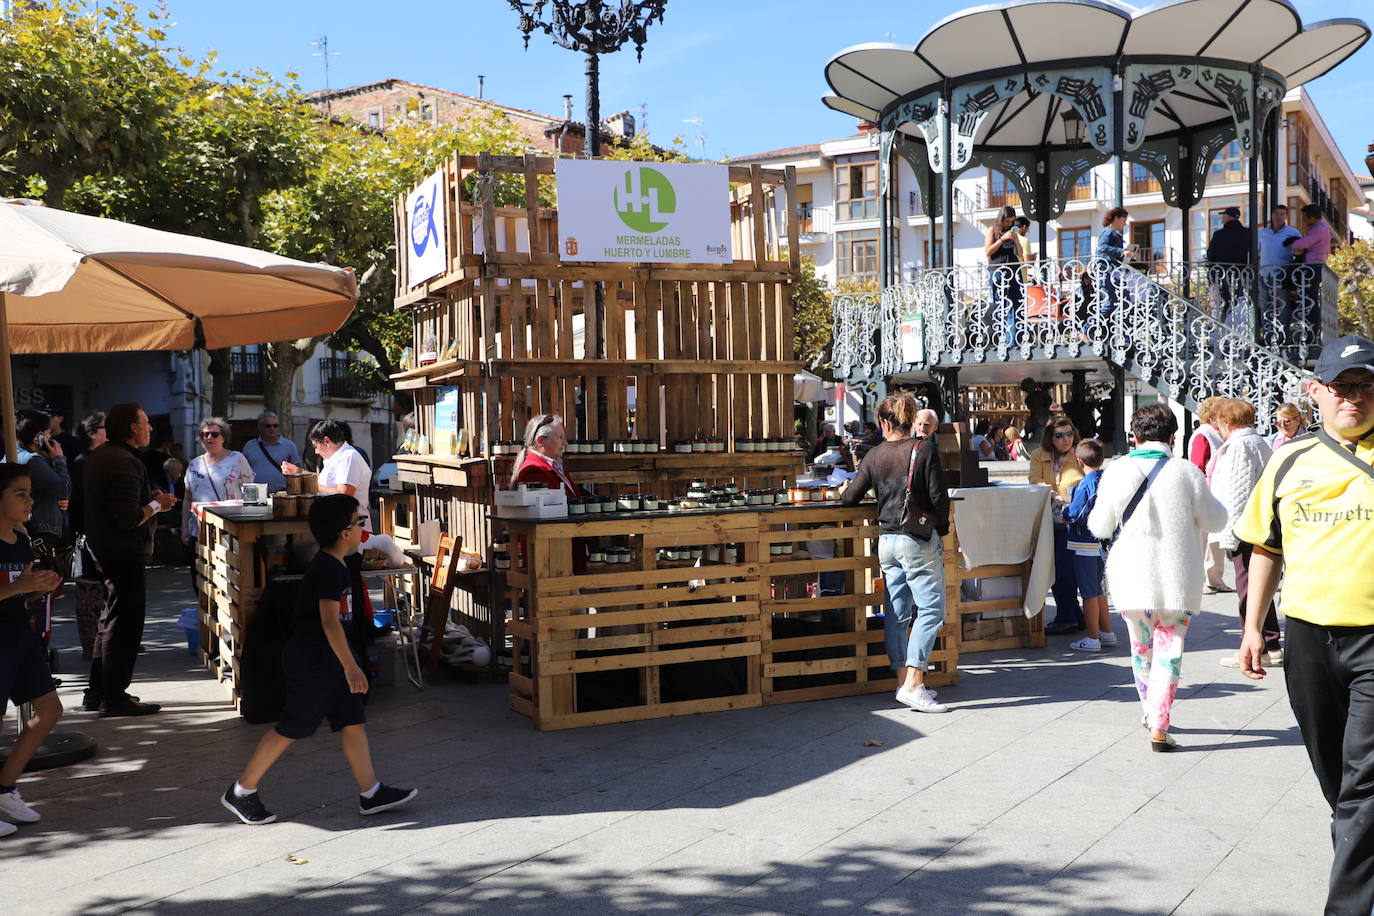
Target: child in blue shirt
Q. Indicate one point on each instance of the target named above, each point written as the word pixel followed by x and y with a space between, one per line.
pixel 1088 562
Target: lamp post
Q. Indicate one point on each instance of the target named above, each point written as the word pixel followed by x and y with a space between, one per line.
pixel 593 27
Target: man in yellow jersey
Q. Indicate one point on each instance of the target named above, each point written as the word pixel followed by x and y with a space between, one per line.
pixel 1312 516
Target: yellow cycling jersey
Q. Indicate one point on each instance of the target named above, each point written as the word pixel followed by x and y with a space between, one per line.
pixel 1316 509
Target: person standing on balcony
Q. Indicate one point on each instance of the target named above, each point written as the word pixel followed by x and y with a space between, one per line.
pixel 1003 252
pixel 269 451
pixel 1055 465
pixel 1275 239
pixel 1227 252
pixel 1315 244
pixel 1309 520
pixel 1112 251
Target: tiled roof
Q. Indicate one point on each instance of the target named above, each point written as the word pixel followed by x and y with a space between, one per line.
pixel 320 95
pixel 780 153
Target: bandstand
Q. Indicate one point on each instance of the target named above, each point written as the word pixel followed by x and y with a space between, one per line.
pixel 1044 92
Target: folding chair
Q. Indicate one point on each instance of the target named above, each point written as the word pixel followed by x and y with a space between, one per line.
pixel 442 582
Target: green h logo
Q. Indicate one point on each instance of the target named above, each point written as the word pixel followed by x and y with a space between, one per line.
pixel 644 199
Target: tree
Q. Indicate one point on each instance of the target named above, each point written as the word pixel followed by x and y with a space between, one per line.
pixel 84 91
pixel 1354 265
pixel 814 318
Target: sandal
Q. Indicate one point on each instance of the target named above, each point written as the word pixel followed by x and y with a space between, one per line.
pixel 1161 747
pixel 1217 590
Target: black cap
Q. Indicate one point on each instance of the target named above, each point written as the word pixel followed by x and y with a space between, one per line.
pixel 1231 211
pixel 53 410
pixel 1350 352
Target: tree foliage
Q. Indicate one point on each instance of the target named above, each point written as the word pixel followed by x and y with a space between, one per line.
pixel 814 317
pixel 1354 265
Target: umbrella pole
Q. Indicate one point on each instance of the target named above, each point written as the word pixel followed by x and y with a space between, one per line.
pixel 6 384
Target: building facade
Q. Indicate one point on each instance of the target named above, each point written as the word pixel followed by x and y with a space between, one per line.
pixel 838 191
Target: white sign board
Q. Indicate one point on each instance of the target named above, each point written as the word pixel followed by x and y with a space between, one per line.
pixel 661 212
pixel 913 338
pixel 426 228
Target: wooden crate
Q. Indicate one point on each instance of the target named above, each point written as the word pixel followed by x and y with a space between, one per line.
pixel 975 633
pixel 836 644
pixel 666 639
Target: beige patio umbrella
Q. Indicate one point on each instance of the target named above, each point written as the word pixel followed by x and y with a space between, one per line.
pixel 81 284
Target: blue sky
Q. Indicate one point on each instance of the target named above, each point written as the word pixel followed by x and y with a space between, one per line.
pixel 750 69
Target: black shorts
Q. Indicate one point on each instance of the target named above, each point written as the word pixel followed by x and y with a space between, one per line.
pixel 316 689
pixel 24 672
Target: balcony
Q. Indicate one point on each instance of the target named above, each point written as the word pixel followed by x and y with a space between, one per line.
pixel 345 380
pixel 813 226
pixel 245 379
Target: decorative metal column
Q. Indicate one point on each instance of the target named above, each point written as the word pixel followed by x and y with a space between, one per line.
pixel 593 28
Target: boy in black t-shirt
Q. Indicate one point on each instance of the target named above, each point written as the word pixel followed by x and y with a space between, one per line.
pixel 24 673
pixel 323 677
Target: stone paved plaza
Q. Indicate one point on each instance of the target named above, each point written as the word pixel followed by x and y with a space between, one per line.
pixel 1036 794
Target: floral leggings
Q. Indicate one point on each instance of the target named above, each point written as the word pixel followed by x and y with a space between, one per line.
pixel 1156 655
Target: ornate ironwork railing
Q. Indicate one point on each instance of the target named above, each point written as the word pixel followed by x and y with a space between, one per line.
pixel 345 379
pixel 1187 348
pixel 245 379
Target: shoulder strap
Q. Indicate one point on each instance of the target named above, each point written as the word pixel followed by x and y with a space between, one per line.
pixel 1140 494
pixel 910 472
pixel 1345 453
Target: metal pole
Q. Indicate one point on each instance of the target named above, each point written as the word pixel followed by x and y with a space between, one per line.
pixel 884 219
pixel 1256 146
pixel 930 213
pixel 7 385
pixel 948 174
pixel 598 291
pixel 1118 136
pixel 1185 193
pixel 593 106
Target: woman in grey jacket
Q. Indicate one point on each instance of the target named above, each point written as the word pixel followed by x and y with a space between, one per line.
pixel 52 482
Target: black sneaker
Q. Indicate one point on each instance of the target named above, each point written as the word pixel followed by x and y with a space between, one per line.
pixel 247 808
pixel 384 799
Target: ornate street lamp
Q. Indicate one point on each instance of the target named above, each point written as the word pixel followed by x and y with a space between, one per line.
pixel 593 27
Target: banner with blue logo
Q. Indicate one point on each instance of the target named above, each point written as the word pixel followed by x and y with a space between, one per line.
pixel 426 228
pixel 674 213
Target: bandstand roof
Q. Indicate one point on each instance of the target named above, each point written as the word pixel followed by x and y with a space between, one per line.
pixel 1022 35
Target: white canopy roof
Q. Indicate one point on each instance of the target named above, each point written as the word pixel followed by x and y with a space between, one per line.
pixel 1026 33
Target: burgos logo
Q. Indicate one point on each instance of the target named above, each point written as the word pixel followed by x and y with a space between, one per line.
pixel 644 199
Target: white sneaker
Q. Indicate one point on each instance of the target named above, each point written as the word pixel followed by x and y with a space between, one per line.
pixel 1272 659
pixel 1108 640
pixel 1087 644
pixel 12 807
pixel 920 701
pixel 1229 661
pixel 6 828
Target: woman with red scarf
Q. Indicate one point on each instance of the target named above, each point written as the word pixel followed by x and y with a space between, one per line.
pixel 541 461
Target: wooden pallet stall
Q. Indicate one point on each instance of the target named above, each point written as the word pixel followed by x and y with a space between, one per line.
pixel 989 624
pixel 662 354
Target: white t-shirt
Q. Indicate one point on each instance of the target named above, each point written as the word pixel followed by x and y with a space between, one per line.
pixel 346 466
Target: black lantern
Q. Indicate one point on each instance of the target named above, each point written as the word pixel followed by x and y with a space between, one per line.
pixel 1073 127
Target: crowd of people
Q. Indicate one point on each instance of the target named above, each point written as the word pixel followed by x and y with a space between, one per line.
pixel 88 510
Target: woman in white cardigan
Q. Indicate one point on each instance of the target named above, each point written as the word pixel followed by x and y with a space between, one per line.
pixel 1240 461
pixel 1154 568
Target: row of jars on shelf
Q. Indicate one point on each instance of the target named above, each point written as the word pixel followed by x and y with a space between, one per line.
pixel 651 447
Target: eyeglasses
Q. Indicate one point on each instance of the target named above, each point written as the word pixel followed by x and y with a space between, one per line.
pixel 356 523
pixel 270 425
pixel 1063 435
pixel 210 434
pixel 1346 389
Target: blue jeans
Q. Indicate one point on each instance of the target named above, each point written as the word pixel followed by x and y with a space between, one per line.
pixel 1065 588
pixel 914 577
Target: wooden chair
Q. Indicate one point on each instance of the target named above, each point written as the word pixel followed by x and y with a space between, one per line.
pixel 442 582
